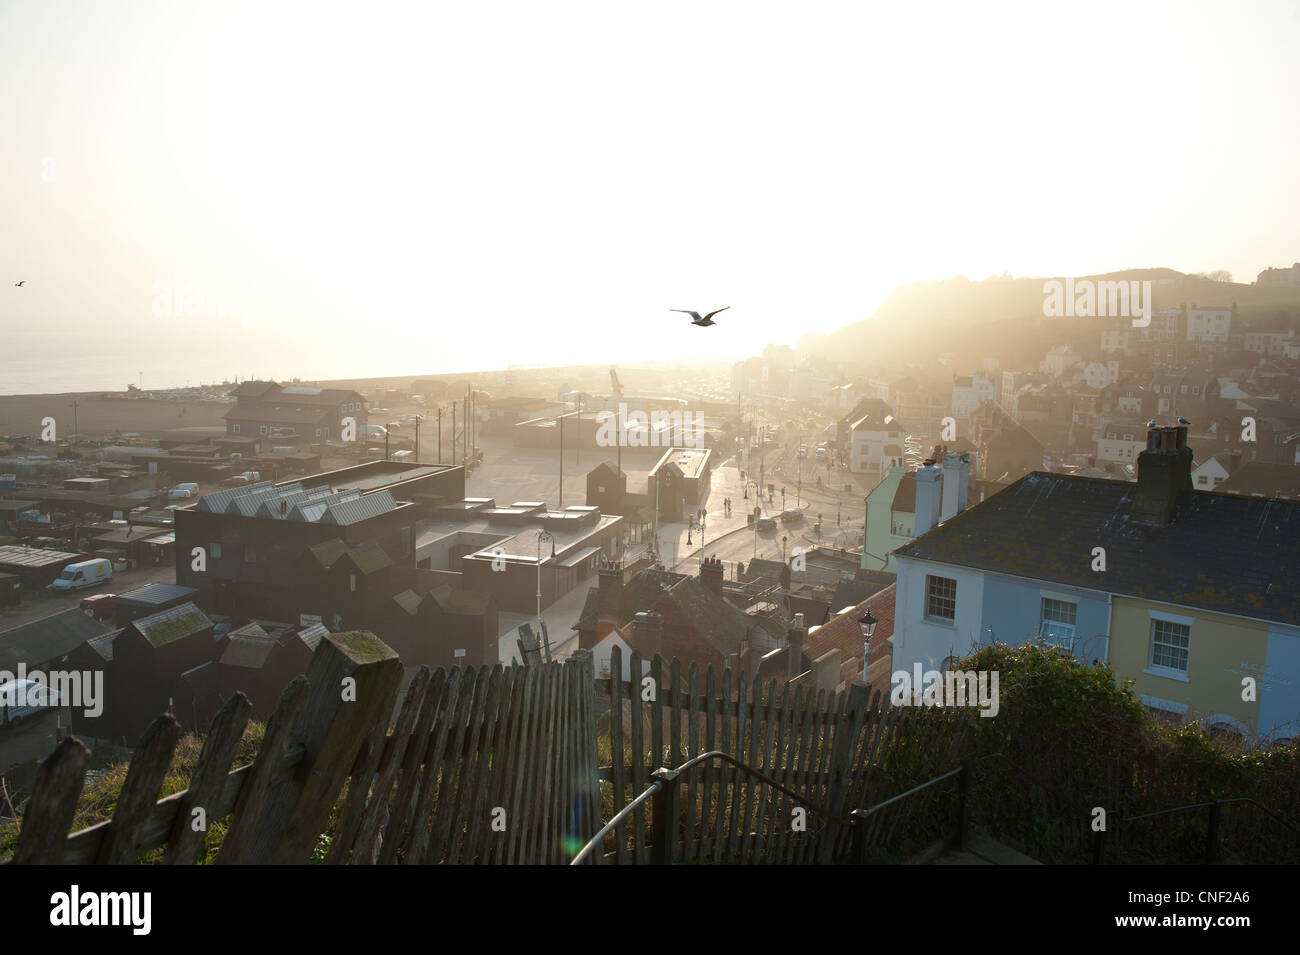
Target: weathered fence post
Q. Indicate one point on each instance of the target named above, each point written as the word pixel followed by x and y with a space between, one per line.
pixel 53 804
pixel 350 680
pixel 663 816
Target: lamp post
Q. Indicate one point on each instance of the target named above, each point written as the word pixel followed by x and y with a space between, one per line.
pixel 868 625
pixel 541 536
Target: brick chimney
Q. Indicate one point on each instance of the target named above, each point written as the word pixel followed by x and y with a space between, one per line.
pixel 647 634
pixel 795 637
pixel 609 601
pixel 711 574
pixel 1164 473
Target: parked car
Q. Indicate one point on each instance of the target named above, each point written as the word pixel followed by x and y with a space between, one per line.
pixel 235 480
pixel 766 524
pixel 86 573
pixel 100 606
pixel 791 515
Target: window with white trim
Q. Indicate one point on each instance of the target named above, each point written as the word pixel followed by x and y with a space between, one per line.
pixel 1057 624
pixel 1170 645
pixel 940 598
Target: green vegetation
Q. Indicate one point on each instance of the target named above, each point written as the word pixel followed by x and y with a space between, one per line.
pixel 99 797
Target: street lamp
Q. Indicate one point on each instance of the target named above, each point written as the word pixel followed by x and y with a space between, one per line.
pixel 868 625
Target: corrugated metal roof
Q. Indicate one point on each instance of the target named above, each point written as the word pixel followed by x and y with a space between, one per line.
pixel 155 594
pixel 312 635
pixel 218 501
pixel 359 509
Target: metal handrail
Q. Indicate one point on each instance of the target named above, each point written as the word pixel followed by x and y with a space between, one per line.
pixel 863 813
pixel 669 778
pixel 1221 802
pixel 618 817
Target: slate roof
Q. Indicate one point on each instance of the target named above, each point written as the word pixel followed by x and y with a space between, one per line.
pixel 689 605
pixel 47 638
pixel 1219 552
pixel 639 593
pixel 1260 479
pixel 842 632
pixel 327 552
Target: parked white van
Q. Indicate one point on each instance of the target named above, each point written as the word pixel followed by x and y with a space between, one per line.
pixel 87 573
pixel 20 699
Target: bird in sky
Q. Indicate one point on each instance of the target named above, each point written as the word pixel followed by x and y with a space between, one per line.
pixel 704 322
pixel 19 284
pixel 1182 420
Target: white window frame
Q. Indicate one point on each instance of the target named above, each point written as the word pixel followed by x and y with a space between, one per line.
pixel 1159 621
pixel 1061 633
pixel 929 596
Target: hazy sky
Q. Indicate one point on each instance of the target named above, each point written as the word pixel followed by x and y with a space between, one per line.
pixel 423 187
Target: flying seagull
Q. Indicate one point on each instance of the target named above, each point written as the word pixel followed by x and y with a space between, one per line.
pixel 19 284
pixel 704 322
pixel 1182 420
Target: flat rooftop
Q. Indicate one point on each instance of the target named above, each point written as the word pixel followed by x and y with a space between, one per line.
pixel 518 542
pixel 691 460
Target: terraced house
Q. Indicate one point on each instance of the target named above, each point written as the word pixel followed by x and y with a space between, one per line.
pixel 1190 594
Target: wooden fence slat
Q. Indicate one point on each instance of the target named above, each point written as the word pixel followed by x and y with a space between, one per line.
pixel 184 844
pixel 723 775
pixel 144 778
pixel 236 846
pixel 477 811
pixel 404 812
pixel 737 783
pixel 498 771
pixel 692 841
pixel 419 843
pixel 44 833
pixel 590 786
pixel 368 801
pixel 448 766
pixel 618 780
pixel 638 757
pixel 332 727
pixel 518 765
pixel 708 803
pixel 751 758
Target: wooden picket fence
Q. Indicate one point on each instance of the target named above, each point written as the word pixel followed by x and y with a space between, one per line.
pixel 481 766
pixel 839 751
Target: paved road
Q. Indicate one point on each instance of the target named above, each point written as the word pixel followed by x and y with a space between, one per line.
pixel 42 603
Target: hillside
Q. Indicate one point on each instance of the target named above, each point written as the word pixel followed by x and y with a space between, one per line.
pixel 1003 317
